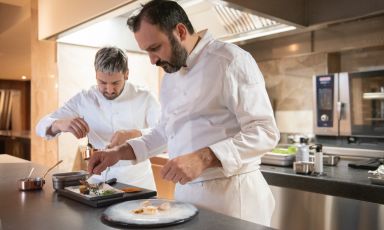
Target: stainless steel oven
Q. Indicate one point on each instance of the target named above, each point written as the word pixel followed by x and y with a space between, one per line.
pixel 349 104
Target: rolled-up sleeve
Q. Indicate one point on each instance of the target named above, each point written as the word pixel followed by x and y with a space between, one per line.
pixel 245 95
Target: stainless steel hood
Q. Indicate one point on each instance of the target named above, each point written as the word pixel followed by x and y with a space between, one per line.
pixel 230 22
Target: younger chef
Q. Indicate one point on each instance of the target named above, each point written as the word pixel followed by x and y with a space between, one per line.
pixel 108 114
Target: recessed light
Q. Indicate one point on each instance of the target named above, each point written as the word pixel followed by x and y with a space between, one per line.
pixel 23 77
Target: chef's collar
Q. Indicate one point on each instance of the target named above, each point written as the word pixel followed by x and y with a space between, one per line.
pixel 205 39
pixel 123 92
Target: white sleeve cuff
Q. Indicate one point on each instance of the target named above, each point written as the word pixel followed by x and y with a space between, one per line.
pixel 42 127
pixel 140 149
pixel 228 155
pixel 145 131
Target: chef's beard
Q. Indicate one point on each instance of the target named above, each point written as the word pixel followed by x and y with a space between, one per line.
pixel 178 58
pixel 110 97
pixel 114 95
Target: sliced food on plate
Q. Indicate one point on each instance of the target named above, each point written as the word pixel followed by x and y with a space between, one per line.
pixel 148 208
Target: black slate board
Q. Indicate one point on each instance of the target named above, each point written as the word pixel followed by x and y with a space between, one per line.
pixel 144 194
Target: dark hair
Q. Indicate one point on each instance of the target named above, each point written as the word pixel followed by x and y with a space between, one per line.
pixel 166 14
pixel 111 60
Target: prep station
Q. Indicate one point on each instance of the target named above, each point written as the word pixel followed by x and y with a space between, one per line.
pixel 45 209
pixel 348 120
pixel 341 198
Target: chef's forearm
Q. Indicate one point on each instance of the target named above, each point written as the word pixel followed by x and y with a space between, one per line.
pixel 126 152
pixel 53 129
pixel 208 158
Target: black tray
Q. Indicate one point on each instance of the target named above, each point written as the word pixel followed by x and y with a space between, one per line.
pixel 112 199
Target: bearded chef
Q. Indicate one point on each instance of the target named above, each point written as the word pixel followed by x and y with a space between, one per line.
pixel 216 121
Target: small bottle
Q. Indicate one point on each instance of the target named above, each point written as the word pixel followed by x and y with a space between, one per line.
pixel 318 158
pixel 302 153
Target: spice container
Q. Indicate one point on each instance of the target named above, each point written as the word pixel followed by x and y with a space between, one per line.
pixel 61 180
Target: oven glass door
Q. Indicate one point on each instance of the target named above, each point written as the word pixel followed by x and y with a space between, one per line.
pixel 367 103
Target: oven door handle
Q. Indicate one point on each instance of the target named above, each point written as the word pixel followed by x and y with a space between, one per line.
pixel 339 109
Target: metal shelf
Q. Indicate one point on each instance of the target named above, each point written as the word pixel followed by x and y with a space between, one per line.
pixel 374 119
pixel 372 96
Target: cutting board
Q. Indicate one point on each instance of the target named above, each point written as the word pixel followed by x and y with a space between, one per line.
pixel 106 201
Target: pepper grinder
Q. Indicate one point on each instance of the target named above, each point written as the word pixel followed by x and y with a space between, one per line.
pixel 318 159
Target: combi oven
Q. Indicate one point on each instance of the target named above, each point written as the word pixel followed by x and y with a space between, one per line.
pixel 349 104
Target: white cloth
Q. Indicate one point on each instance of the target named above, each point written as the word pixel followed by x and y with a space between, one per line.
pixel 232 196
pixel 219 101
pixel 134 108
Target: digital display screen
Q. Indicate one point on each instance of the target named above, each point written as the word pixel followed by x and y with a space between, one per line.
pixel 325 99
pixel 325 94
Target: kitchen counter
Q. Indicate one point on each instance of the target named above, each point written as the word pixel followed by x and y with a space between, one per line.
pixel 339 180
pixel 45 209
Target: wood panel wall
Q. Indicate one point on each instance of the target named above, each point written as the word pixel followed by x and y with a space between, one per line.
pixel 44 97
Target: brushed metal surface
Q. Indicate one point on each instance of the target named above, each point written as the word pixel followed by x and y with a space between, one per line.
pixel 301 210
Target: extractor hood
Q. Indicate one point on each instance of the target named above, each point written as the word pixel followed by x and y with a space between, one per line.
pixel 231 23
pixel 227 21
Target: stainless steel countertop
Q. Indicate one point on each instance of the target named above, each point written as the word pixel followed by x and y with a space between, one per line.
pixel 339 180
pixel 45 209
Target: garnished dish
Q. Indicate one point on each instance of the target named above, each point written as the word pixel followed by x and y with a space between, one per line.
pixel 94 190
pixel 148 213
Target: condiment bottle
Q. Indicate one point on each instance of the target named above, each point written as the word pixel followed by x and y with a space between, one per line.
pixel 302 153
pixel 318 158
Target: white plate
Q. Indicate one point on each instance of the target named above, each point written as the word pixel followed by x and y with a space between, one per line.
pixel 122 214
pixel 379 180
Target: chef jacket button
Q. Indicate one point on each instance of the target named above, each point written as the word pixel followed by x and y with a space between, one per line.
pixel 171 136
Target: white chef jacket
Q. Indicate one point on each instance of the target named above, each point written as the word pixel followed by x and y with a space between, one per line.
pixel 219 101
pixel 134 108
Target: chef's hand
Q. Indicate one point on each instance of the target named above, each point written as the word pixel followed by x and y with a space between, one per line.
pixel 121 136
pixel 77 126
pixel 102 159
pixel 188 167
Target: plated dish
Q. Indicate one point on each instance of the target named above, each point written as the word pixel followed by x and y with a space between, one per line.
pixel 148 213
pixel 104 191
